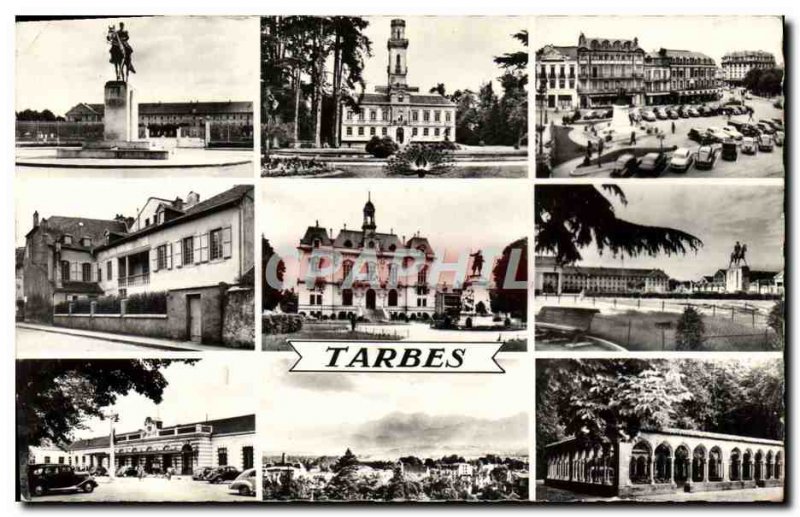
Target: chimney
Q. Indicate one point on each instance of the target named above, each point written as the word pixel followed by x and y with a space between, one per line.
pixel 36 219
pixel 283 458
pixel 191 199
pixel 178 203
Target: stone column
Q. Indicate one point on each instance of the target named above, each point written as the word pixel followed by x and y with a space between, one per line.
pixel 650 469
pixel 121 115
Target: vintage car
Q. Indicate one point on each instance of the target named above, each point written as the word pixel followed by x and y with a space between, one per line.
pixel 749 145
pixel 731 132
pixel 245 483
pixel 652 164
pixel 682 159
pixel 624 166
pixel 706 157
pixel 765 143
pixel 226 473
pixel 778 137
pixel 730 151
pixel 48 477
pixel 202 473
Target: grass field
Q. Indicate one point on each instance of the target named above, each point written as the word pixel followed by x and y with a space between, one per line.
pixel 722 334
pixel 279 342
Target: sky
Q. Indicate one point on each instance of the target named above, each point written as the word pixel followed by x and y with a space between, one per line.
pixel 711 35
pixel 458 51
pixel 719 215
pixel 319 413
pixel 456 216
pixel 208 389
pixel 62 63
pixel 99 198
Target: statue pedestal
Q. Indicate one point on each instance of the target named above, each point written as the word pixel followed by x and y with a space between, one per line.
pixel 121 116
pixel 620 127
pixel 737 279
pixel 120 130
pixel 476 304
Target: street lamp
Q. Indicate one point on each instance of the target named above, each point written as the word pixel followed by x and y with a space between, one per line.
pixel 542 91
pixel 112 418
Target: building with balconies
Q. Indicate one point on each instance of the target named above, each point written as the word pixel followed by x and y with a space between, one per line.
pixel 398 110
pixel 610 71
pixel 557 76
pixel 657 78
pixel 363 273
pixel 553 278
pixel 693 76
pixel 735 65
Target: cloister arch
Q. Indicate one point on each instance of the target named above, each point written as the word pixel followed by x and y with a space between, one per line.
pixel 682 464
pixel 747 465
pixel 715 467
pixel 640 464
pixel 735 465
pixel 699 464
pixel 759 465
pixel 663 463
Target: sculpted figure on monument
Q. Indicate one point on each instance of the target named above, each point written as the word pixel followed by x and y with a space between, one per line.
pixel 738 255
pixel 477 263
pixel 120 51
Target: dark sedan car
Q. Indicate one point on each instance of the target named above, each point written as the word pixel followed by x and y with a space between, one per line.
pixel 47 477
pixel 220 474
pixel 652 164
pixel 624 167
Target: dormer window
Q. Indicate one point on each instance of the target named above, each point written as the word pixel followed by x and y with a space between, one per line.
pixel 67 239
pixel 371 244
pixel 392 247
pixel 348 243
pixel 161 216
pixel 86 242
pixel 316 243
pixel 147 222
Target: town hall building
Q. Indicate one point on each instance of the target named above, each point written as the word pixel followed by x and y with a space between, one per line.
pixel 375 290
pixel 398 110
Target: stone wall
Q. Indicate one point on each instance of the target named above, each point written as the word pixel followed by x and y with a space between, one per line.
pixel 155 325
pixel 211 303
pixel 238 321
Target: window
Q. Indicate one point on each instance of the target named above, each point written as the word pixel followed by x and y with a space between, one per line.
pixel 426 116
pixel 64 271
pixel 414 116
pixel 147 222
pixel 436 131
pixel 447 116
pixel 187 250
pixel 422 276
pixel 348 131
pixel 425 131
pixel 349 115
pixel 247 457
pixel 414 131
pixel 347 297
pixel 360 131
pixel 437 116
pixel 86 242
pixel 347 268
pixel 372 115
pixel 161 257
pixel 372 131
pixel 222 456
pixel 109 271
pixel 47 459
pixel 61 460
pixel 86 272
pixel 68 239
pixel 215 244
pixel 383 131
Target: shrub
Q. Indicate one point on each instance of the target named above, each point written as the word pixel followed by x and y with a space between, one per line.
pixel 690 331
pixel 147 303
pixel 576 115
pixel 776 321
pixel 82 306
pixel 62 308
pixel 108 305
pixel 281 323
pixel 381 147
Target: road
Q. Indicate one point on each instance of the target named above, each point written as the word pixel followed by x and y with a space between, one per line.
pixel 150 489
pixel 36 343
pixel 760 165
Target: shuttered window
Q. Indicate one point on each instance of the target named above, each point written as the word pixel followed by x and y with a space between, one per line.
pixel 215 237
pixel 188 251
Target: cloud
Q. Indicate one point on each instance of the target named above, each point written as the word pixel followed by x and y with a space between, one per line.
pixel 320 382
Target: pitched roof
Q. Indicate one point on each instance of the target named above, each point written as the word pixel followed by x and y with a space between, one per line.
pixel 80 288
pixel 178 108
pixel 230 197
pixel 426 100
pixel 570 52
pixel 57 226
pixel 236 424
pixel 316 232
pixel 385 240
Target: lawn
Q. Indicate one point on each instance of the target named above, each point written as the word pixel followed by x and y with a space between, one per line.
pixel 279 342
pixel 722 334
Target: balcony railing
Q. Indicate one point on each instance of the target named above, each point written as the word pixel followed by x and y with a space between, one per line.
pixel 133 280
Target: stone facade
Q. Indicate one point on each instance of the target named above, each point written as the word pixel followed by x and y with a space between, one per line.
pixel 555 279
pixel 557 76
pixel 398 110
pixel 666 461
pixel 735 65
pixel 610 70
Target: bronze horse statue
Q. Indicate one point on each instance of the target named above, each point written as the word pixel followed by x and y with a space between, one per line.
pixel 738 255
pixel 120 52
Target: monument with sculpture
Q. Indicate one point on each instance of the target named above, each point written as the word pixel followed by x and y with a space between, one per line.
pixel 121 111
pixel 737 276
pixel 476 304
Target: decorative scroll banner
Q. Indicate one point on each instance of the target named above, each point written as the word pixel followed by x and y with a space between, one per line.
pixel 389 356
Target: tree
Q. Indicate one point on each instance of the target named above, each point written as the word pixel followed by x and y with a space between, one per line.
pixel 350 48
pixel 55 397
pixel 517 60
pixel 438 89
pixel 511 299
pixel 776 321
pixel 690 330
pixel 271 295
pixel 568 218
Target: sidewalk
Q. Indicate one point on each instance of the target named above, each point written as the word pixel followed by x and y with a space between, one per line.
pixel 143 341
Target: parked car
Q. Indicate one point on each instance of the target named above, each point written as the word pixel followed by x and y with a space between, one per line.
pixel 202 473
pixel 730 151
pixel 652 164
pixel 609 113
pixel 696 134
pixel 590 115
pixel 778 137
pixel 226 473
pixel 693 112
pixel 649 116
pixel 716 133
pixel 682 159
pixel 661 114
pixel 98 470
pixel 765 143
pixel 126 471
pixel 706 157
pixel 48 477
pixel 765 128
pixel 736 124
pixel 673 114
pixel 245 483
pixel 732 133
pixel 749 145
pixel 749 130
pixel 702 111
pixel 624 166
pixel 683 111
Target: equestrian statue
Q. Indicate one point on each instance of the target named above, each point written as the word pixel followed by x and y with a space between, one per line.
pixel 120 51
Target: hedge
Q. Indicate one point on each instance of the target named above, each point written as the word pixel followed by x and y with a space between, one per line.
pixel 147 303
pixel 281 323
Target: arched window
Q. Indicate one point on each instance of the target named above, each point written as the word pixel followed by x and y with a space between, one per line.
pixel 392 274
pixel 347 297
pixel 699 464
pixel 639 468
pixel 348 243
pixel 778 465
pixel 715 464
pixel 392 298
pixel 747 465
pixel 736 465
pixel 681 464
pixel 759 466
pixel 397 64
pixel 422 276
pixel 770 473
pixel 663 464
pixel 347 269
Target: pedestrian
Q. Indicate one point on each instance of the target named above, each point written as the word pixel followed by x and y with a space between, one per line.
pixel 169 473
pixel 633 138
pixel 352 322
pixel 673 127
pixel 600 153
pixel 750 111
pixel 140 472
